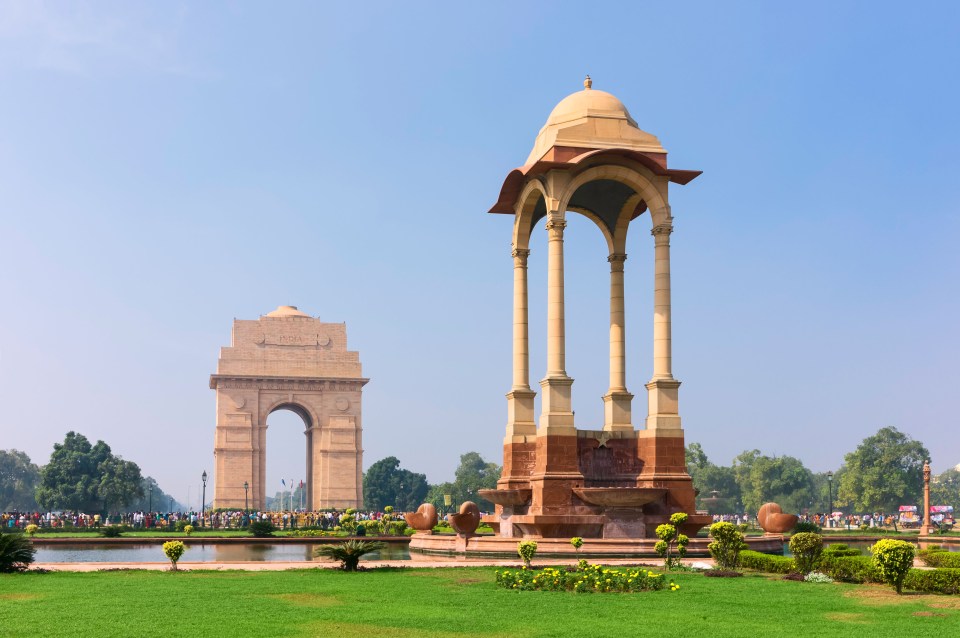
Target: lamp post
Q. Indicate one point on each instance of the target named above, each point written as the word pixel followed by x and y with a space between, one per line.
pixel 150 491
pixel 171 505
pixel 246 486
pixel 830 495
pixel 203 499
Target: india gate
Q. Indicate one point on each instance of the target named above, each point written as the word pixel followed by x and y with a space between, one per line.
pixel 288 360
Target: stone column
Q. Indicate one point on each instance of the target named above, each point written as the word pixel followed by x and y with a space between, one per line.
pixel 520 418
pixel 556 346
pixel 662 365
pixel 617 409
pixel 557 414
pixel 521 348
pixel 618 356
pixel 663 388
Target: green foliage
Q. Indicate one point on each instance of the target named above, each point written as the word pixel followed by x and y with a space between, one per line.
pixel 474 474
pixel 939 558
pixel 18 481
pixel 939 581
pixel 806 548
pixel 577 543
pixel 174 551
pixel 807 526
pixel 717 485
pixel 261 529
pixel 16 553
pixel 766 562
pixel 893 559
pixel 111 531
pixel 86 477
pixel 585 579
pixel 945 488
pixel 526 550
pixel 350 552
pixel 884 472
pixel 841 549
pixel 726 546
pixel 385 484
pixel 849 569
pixel 670 537
pixel 782 480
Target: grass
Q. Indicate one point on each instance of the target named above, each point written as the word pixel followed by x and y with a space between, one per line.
pixel 402 603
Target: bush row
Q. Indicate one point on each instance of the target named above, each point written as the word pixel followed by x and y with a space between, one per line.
pixel 858 569
pixel 940 558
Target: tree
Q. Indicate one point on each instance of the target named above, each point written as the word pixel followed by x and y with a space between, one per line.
pixel 86 477
pixel 884 472
pixel 120 483
pixel 783 480
pixel 158 500
pixel 474 474
pixel 18 481
pixel 386 483
pixel 945 488
pixel 710 479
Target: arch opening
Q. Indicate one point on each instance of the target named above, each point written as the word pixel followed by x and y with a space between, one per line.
pixel 289 457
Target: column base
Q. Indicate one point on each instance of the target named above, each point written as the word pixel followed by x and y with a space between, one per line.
pixel 520 423
pixel 556 416
pixel 662 405
pixel 617 411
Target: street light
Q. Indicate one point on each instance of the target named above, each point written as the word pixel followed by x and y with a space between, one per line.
pixel 203 499
pixel 830 495
pixel 246 486
pixel 171 505
pixel 150 490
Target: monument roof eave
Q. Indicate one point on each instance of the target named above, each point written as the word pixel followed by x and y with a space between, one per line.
pixel 215 378
pixel 513 184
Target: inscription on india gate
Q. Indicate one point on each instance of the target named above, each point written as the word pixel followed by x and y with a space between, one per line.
pixel 288 360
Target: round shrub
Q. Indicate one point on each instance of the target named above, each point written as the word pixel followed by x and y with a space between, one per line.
pixel 806 548
pixel 893 560
pixel 526 550
pixel 726 546
pixel 188 529
pixel 174 550
pixel 806 526
pixel 31 529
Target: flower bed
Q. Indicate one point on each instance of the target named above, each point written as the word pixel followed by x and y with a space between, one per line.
pixel 584 579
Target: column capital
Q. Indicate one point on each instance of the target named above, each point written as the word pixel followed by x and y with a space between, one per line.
pixel 520 256
pixel 556 226
pixel 616 261
pixel 662 230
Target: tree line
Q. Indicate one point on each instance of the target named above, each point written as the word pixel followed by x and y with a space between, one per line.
pixel 386 483
pixel 80 476
pixel 882 473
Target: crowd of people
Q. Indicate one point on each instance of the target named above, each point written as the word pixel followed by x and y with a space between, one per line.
pixel 221 519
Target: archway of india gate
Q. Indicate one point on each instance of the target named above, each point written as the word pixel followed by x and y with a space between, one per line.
pixel 288 360
pixel 621 480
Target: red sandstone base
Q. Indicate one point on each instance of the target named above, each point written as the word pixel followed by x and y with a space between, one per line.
pixel 497 546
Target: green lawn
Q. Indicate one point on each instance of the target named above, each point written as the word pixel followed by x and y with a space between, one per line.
pixel 414 603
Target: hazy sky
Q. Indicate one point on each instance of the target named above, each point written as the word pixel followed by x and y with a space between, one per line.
pixel 167 167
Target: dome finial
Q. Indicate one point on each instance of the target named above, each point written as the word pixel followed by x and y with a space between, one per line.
pixel 587 84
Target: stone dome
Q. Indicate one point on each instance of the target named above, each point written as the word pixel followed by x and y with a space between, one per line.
pixel 592 119
pixel 286 311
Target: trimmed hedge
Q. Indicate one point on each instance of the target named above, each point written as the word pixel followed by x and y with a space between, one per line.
pixel 940 581
pixel 940 558
pixel 858 569
pixel 766 563
pixel 841 549
pixel 849 569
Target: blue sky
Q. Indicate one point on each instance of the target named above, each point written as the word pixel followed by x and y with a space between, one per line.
pixel 166 167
